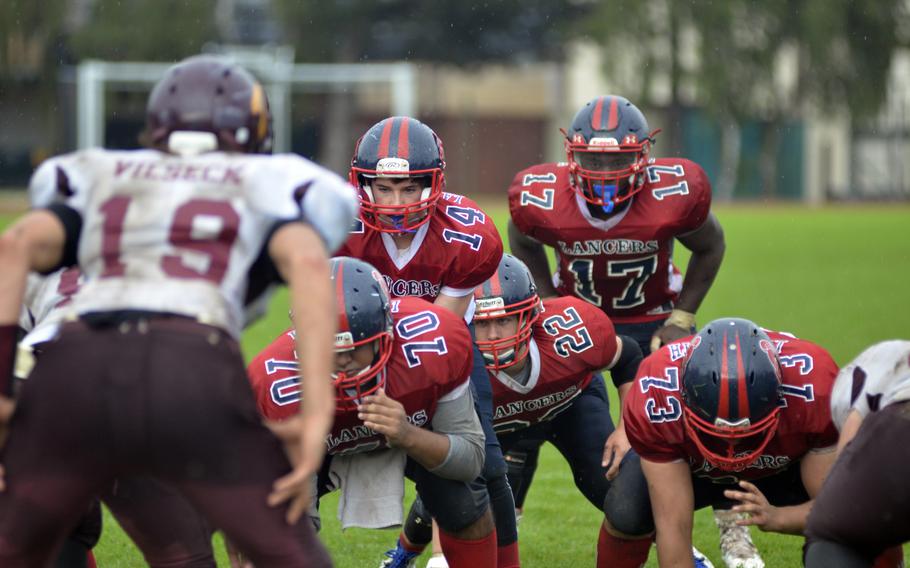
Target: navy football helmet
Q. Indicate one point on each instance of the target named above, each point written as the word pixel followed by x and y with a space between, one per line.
pixel 607 148
pixel 731 392
pixel 364 316
pixel 510 292
pixel 398 147
pixel 210 94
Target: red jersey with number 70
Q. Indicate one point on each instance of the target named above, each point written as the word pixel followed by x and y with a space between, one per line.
pixel 653 412
pixel 431 362
pixel 623 264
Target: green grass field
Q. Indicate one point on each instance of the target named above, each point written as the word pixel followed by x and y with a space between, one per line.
pixel 837 276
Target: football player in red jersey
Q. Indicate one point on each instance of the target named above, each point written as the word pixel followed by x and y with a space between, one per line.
pixel 401 381
pixel 166 238
pixel 434 245
pixel 543 359
pixel 735 413
pixel 863 510
pixel 612 213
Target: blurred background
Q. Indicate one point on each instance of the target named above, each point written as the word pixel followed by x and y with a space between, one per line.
pixel 804 100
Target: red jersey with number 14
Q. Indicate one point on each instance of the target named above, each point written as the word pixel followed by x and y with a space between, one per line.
pixel 654 418
pixel 458 248
pixel 571 340
pixel 431 361
pixel 623 264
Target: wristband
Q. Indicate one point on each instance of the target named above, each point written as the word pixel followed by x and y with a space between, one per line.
pixel 681 319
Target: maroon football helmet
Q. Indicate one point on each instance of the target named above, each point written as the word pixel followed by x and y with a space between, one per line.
pixel 210 94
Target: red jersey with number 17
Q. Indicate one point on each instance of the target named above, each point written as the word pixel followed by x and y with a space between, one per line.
pixel 654 418
pixel 623 264
pixel 571 340
pixel 457 249
pixel 431 362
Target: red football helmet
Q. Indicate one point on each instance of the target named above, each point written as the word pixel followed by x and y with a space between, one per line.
pixel 607 149
pixel 731 392
pixel 510 292
pixel 364 317
pixel 398 147
pixel 210 95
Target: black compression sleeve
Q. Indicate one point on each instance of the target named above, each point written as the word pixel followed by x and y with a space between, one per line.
pixel 629 359
pixel 72 227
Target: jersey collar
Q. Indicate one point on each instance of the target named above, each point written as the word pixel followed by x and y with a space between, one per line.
pixel 602 224
pixel 534 360
pixel 400 261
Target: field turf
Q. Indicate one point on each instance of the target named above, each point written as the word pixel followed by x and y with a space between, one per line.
pixel 836 275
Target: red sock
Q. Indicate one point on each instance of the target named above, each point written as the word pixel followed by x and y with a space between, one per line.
pixel 891 558
pixel 90 560
pixel 615 552
pixel 507 556
pixel 469 553
pixel 408 545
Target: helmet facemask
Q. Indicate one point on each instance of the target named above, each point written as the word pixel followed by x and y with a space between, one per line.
pixel 607 174
pixel 730 446
pixel 500 354
pixel 352 387
pixel 406 218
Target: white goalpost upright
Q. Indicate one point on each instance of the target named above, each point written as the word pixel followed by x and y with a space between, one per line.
pixel 274 67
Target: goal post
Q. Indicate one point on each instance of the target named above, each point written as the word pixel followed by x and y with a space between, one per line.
pixel 274 67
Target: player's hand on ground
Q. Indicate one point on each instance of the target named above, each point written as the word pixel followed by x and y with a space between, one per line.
pixel 615 449
pixel 386 416
pixel 667 334
pixel 752 501
pixel 305 454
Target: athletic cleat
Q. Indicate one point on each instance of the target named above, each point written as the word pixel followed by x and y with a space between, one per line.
pixel 437 561
pixel 701 561
pixel 736 546
pixel 399 558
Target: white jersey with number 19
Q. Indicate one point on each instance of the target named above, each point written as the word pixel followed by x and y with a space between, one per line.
pixel 179 234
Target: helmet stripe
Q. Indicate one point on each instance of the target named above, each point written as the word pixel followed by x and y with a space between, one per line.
pixel 596 116
pixel 741 383
pixel 384 138
pixel 403 145
pixel 342 308
pixel 495 284
pixel 723 404
pixel 613 118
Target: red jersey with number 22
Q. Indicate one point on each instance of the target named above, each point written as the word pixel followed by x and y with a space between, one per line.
pixel 571 340
pixel 623 264
pixel 431 361
pixel 654 418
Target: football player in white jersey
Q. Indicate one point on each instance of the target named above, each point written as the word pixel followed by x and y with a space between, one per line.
pixel 862 515
pixel 147 377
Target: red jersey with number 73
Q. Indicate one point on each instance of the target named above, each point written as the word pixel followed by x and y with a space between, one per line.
pixel 654 417
pixel 623 264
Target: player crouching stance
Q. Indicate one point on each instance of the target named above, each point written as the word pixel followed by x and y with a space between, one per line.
pixel 403 408
pixel 542 360
pixel 736 413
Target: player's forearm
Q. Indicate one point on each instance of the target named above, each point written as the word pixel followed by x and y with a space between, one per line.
pixel 302 261
pixel 674 548
pixel 791 520
pixel 700 274
pixel 533 254
pixel 427 448
pixel 14 260
pixel 458 305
